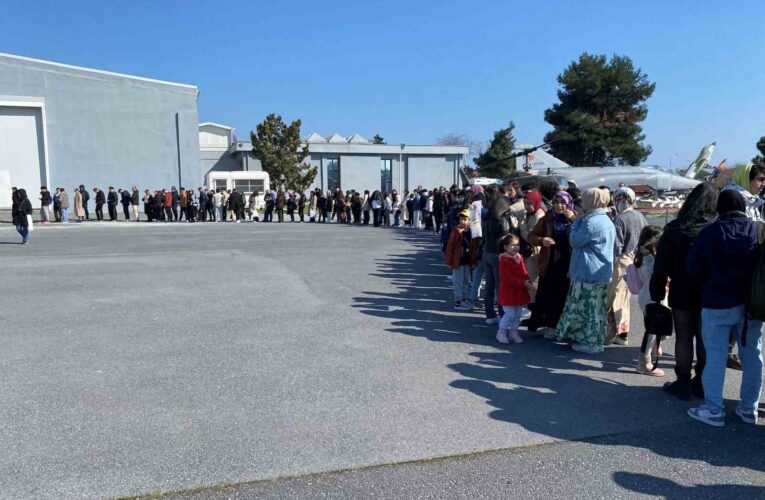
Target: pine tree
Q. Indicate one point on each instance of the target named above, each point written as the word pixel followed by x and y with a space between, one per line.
pixel 378 139
pixel 597 121
pixel 760 158
pixel 495 161
pixel 279 149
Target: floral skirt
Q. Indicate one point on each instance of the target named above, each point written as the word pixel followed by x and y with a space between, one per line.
pixel 585 316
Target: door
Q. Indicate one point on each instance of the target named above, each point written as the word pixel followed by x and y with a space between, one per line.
pixel 22 153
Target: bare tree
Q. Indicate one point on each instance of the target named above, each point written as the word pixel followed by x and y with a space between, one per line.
pixel 476 147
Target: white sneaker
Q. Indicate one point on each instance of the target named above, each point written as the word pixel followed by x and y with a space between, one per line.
pixel 747 416
pixel 515 337
pixel 492 321
pixel 704 414
pixel 525 313
pixel 465 306
pixel 502 337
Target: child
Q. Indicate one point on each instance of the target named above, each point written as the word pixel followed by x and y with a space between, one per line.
pixel 458 259
pixel 513 288
pixel 644 259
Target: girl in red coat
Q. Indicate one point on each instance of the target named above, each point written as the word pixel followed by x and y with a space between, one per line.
pixel 513 289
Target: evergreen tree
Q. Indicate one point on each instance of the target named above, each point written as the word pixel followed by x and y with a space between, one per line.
pixel 597 121
pixel 495 162
pixel 760 158
pixel 279 149
pixel 378 139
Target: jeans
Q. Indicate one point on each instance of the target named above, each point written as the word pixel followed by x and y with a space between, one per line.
pixel 45 212
pixel 475 283
pixel 65 215
pixel 461 282
pixel 397 218
pixel 511 318
pixel 23 231
pixel 716 326
pixel 416 219
pixel 219 214
pixel 491 272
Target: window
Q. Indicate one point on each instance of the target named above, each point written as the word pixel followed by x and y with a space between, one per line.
pixel 220 184
pixel 333 173
pixel 249 185
pixel 386 179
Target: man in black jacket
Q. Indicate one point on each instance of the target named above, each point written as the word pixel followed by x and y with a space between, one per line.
pixel 112 199
pixel 135 199
pixel 100 200
pixel 125 200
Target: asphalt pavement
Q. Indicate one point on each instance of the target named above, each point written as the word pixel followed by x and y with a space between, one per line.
pixel 146 358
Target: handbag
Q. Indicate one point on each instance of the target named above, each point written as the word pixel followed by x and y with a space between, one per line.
pixel 30 225
pixel 658 319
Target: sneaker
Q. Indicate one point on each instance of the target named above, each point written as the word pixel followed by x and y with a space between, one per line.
pixel 502 337
pixel 587 349
pixel 515 337
pixel 525 313
pixel 747 416
pixel 620 340
pixel 465 306
pixel 734 363
pixel 704 414
pixel 492 321
pixel 549 333
pixel 457 306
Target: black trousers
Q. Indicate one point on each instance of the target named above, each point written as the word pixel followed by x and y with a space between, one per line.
pixel 126 210
pixel 302 215
pixel 184 213
pixel 100 211
pixel 356 215
pixel 268 215
pixel 112 212
pixel 688 330
pixel 85 207
pixel 168 214
pixel 291 213
pixel 376 217
pixel 175 211
pixel 280 214
pixel 439 216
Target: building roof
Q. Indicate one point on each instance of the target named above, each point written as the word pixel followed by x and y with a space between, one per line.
pixel 357 139
pixel 336 139
pixel 218 125
pixel 314 138
pixel 95 71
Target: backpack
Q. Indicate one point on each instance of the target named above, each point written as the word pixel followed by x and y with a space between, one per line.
pixel 755 305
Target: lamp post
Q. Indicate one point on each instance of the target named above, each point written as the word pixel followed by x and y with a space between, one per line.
pixel 401 167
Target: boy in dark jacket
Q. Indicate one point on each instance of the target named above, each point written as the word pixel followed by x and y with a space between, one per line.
pixel 722 260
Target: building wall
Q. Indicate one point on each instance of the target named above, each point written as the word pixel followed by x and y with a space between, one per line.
pixel 103 129
pixel 218 161
pixel 431 171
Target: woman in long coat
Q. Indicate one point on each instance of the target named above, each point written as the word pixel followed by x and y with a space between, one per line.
pixel 79 209
pixel 550 235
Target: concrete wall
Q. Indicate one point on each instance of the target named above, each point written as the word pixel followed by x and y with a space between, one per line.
pixel 103 129
pixel 218 161
pixel 430 171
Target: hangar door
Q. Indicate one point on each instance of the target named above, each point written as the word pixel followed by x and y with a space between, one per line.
pixel 22 152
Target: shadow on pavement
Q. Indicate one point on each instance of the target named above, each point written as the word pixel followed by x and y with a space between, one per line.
pixel 544 387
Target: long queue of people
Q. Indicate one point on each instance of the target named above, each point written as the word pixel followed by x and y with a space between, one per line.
pixel 566 265
pixel 420 209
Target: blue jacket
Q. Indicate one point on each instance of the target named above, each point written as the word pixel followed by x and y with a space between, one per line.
pixel 592 242
pixel 722 260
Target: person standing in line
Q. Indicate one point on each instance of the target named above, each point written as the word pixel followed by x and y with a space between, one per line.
pixel 176 197
pixel 494 227
pixel 224 212
pixel 210 207
pixel 723 260
pixel 396 202
pixel 191 206
pixel 111 200
pixel 57 205
pixel 301 206
pixel 291 206
pixel 233 205
pixel 79 211
pixel 202 204
pixel 167 204
pixel 63 203
pixel 514 286
pixel 21 213
pixel 100 201
pixel 268 215
pixel 328 202
pixel 45 202
pixel 183 204
pixel 423 205
pixel 135 200
pixel 366 206
pixel 148 205
pixel 378 203
pixel 241 203
pixel 644 264
pixel 280 202
pixel 356 207
pixel 386 211
pixel 416 209
pixel 159 205
pixel 438 207
pixel 218 205
pixel 592 237
pixel 458 260
pixel 85 200
pixel 125 200
pixel 629 223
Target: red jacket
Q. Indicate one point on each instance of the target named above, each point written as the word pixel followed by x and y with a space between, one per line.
pixel 512 282
pixel 168 199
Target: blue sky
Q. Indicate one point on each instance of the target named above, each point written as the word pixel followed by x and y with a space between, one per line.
pixel 414 71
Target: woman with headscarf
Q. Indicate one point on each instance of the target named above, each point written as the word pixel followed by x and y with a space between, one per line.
pixel 697 212
pixel 749 181
pixel 550 236
pixel 534 210
pixel 584 319
pixel 79 206
pixel 722 261
pixel 21 213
